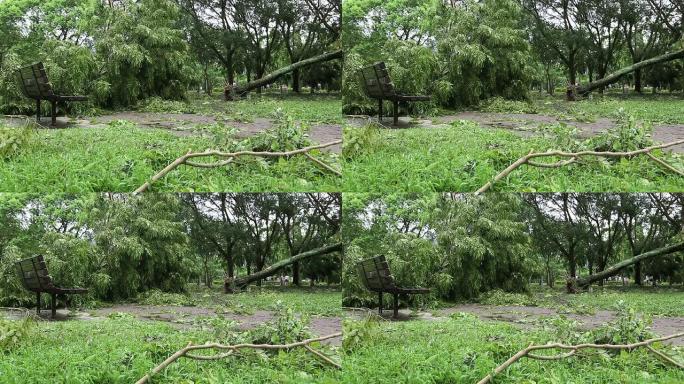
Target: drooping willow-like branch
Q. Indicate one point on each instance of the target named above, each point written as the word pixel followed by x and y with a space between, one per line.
pixel 573 157
pixel 573 349
pixel 230 156
pixel 231 350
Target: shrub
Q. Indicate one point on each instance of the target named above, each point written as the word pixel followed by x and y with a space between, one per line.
pixel 14 140
pixel 13 332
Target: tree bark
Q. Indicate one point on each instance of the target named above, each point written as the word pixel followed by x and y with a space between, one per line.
pixel 243 281
pixel 637 81
pixel 615 76
pixel 615 269
pixel 232 92
pixel 295 273
pixel 295 81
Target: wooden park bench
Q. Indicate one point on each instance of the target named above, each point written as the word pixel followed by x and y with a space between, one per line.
pixel 377 84
pixel 376 277
pixel 34 277
pixel 34 84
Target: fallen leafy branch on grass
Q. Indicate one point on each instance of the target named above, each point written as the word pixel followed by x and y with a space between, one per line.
pixel 573 157
pixel 232 349
pixel 572 350
pixel 230 156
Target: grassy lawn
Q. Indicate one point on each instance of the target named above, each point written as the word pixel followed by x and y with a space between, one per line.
pixel 123 350
pixel 123 155
pixel 647 300
pixel 313 301
pixel 661 301
pixel 658 109
pixel 464 349
pixel 463 157
pixel 311 108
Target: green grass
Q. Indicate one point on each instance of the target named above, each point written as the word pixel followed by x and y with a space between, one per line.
pixel 79 160
pixel 463 157
pixel 316 301
pixel 464 349
pixel 123 350
pixel 647 300
pixel 320 108
pixel 658 109
pixel 122 156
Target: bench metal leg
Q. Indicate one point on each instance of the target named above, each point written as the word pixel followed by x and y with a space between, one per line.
pixel 53 305
pixel 396 305
pixel 38 110
pixel 380 110
pixel 396 112
pixel 380 303
pixel 38 303
pixel 54 113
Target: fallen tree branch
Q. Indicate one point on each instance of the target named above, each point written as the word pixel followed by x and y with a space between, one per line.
pixel 613 77
pixel 573 349
pixel 665 164
pixel 234 349
pixel 232 92
pixel 232 284
pixel 573 157
pixel 185 160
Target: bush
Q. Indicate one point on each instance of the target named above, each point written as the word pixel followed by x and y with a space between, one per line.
pixel 501 105
pixel 499 297
pixel 13 332
pixel 159 105
pixel 157 297
pixel 285 328
pixel 14 140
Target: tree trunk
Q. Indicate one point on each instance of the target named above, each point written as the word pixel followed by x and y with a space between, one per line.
pixel 637 81
pixel 615 76
pixel 615 269
pixel 243 281
pixel 637 273
pixel 232 92
pixel 295 273
pixel 573 267
pixel 231 268
pixel 295 80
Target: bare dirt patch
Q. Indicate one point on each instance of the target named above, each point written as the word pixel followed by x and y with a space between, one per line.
pixel 518 122
pixel 183 316
pixel 182 124
pixel 523 124
pixel 525 317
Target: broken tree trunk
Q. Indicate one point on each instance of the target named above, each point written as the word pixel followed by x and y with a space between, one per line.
pixel 232 284
pixel 615 269
pixel 613 77
pixel 232 92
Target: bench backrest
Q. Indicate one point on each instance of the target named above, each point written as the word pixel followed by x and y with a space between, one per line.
pixel 375 274
pixel 376 81
pixel 34 83
pixel 33 274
